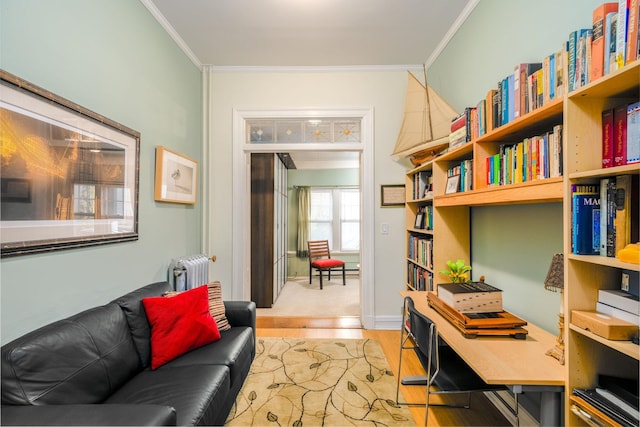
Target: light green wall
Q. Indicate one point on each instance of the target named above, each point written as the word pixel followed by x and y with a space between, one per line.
pixel 512 245
pixel 112 57
pixel 299 267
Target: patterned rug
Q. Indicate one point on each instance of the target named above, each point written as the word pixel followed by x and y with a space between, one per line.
pixel 319 382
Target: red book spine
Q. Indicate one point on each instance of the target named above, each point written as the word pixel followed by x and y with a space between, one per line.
pixel 607 138
pixel 620 135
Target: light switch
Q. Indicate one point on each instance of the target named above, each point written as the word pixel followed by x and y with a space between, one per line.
pixel 384 228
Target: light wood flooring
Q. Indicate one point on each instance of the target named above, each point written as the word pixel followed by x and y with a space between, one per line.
pixel 481 413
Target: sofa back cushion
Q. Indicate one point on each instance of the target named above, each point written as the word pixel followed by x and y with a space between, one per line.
pixel 133 309
pixel 78 360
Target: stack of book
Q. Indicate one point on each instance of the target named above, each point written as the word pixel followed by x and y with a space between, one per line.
pixel 623 303
pixel 614 401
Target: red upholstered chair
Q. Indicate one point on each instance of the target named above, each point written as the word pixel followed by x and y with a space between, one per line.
pixel 320 259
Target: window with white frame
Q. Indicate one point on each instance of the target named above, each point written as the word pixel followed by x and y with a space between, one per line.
pixel 335 216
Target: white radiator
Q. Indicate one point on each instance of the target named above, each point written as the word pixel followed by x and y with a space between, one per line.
pixel 189 272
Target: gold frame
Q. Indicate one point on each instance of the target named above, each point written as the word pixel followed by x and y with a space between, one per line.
pixel 182 170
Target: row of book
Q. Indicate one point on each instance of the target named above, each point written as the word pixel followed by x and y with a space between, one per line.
pixel 420 250
pixel 460 177
pixel 587 55
pixel 422 185
pixel 418 278
pixel 621 135
pixel 424 218
pixel 533 158
pixel 605 216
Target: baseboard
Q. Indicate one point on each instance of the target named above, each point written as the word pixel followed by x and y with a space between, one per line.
pixel 387 323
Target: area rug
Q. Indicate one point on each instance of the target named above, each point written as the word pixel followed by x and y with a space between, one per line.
pixel 319 382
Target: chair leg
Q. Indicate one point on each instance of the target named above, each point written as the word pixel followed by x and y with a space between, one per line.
pixel 344 277
pixel 310 272
pixel 320 271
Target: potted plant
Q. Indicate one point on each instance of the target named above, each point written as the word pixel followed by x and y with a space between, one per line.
pixel 458 271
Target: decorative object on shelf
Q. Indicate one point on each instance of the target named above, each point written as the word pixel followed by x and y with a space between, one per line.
pixel 426 123
pixel 392 195
pixel 630 253
pixel 554 282
pixel 458 271
pixel 176 177
pixel 453 184
pixel 69 175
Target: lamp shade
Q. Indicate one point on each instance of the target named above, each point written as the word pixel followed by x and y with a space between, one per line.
pixel 555 276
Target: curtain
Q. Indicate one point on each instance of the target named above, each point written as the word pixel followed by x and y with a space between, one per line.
pixel 304 212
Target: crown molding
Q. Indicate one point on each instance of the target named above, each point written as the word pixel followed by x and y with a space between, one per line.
pixel 310 69
pixel 172 32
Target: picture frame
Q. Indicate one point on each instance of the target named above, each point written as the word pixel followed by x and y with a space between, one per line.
pixel 419 224
pixel 453 183
pixel 72 176
pixel 392 195
pixel 176 177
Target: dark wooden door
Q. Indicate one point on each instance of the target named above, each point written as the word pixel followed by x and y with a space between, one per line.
pixel 262 218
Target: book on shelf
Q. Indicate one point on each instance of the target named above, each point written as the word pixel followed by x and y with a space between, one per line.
pixel 609 42
pixel 626 203
pixel 489 109
pixel 621 34
pixel 620 135
pixel 617 313
pixel 598 39
pixel 633 133
pixel 607 216
pixel 607 138
pixel 585 208
pixel 620 299
pixel 633 32
pixel 471 297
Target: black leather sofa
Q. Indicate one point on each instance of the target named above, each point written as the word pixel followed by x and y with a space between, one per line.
pixel 93 368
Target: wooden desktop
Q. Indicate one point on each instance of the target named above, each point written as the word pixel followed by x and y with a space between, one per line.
pixel 520 364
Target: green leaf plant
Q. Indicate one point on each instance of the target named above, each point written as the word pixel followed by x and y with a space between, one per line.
pixel 458 272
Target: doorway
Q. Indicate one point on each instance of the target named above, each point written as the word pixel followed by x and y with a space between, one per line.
pixel 329 185
pixel 241 189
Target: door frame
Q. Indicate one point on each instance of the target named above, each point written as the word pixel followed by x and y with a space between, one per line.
pixel 241 229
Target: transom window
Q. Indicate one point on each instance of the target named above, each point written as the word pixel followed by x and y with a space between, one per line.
pixel 303 130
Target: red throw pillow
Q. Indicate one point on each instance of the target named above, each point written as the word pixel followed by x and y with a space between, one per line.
pixel 179 324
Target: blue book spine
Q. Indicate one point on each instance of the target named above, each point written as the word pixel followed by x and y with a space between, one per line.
pixel 511 97
pixel 586 224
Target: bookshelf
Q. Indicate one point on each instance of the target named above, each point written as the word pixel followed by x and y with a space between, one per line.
pixel 579 113
pixel 587 354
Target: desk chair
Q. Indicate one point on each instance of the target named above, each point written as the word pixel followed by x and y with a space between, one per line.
pixel 320 259
pixel 446 372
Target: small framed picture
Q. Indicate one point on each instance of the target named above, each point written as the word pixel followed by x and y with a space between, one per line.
pixel 453 183
pixel 176 177
pixel 419 220
pixel 392 195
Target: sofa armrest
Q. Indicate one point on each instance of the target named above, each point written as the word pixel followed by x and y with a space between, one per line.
pixel 89 415
pixel 241 313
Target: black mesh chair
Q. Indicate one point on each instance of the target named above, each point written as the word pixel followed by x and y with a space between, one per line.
pixel 446 372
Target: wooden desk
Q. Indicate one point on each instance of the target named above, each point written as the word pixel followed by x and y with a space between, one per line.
pixel 520 364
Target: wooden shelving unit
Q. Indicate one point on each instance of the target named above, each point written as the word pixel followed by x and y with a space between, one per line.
pixel 579 112
pixel 588 354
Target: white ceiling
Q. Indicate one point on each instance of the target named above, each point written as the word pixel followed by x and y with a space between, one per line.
pixel 254 34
